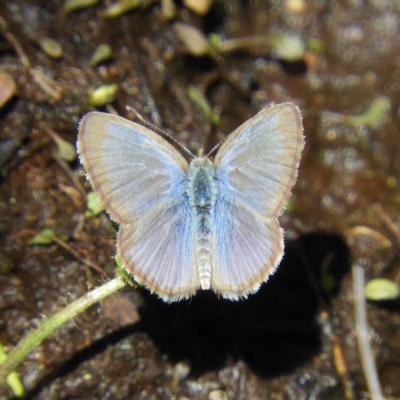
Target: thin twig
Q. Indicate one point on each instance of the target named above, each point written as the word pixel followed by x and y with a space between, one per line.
pixel 364 347
pixel 66 247
pixel 387 221
pixel 14 42
pixel 74 253
pixel 71 175
pixel 338 357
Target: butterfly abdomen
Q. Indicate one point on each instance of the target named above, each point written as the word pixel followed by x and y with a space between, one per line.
pixel 202 194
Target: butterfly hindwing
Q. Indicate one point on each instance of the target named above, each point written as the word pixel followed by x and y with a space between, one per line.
pixel 158 250
pixel 247 247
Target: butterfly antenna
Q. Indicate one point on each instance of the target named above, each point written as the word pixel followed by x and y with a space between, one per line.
pixel 215 148
pixel 158 130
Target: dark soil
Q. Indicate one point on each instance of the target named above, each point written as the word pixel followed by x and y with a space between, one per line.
pixel 283 342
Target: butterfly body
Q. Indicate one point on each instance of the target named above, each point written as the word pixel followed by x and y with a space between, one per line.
pixel 204 224
pixel 202 197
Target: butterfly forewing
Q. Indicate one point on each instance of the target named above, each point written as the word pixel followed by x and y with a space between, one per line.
pixel 258 162
pixel 256 168
pixel 141 179
pixel 131 168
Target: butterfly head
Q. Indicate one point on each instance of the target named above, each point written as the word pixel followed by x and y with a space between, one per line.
pixel 200 163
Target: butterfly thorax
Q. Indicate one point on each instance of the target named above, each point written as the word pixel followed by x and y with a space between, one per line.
pixel 202 195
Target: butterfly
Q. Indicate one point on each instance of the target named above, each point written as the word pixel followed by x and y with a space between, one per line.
pixel 203 224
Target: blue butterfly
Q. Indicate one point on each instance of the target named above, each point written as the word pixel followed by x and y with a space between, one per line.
pixel 207 224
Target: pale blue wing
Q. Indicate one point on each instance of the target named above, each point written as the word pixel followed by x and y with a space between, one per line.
pixel 258 162
pixel 256 168
pixel 141 179
pixel 158 250
pixel 131 168
pixel 247 246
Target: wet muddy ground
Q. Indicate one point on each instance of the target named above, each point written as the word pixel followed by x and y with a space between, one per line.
pixel 339 61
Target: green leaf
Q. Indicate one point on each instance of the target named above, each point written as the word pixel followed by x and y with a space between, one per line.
pixel 381 289
pixel 103 95
pixel 43 237
pixel 94 205
pixel 13 380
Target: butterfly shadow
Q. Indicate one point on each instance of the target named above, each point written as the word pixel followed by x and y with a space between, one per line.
pixel 273 331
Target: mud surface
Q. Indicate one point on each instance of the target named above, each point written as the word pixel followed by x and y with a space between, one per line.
pixel 285 341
